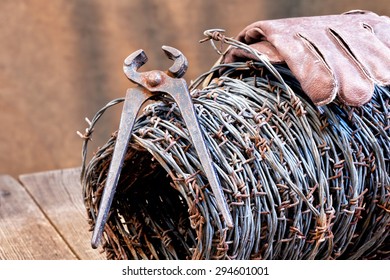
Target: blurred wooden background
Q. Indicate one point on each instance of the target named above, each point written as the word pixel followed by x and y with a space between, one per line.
pixel 60 61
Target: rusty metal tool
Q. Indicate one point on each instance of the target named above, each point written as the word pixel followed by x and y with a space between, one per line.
pixel 151 84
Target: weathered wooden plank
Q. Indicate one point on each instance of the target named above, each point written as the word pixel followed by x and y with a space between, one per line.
pixel 59 195
pixel 25 233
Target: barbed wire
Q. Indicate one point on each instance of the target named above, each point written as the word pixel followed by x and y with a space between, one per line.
pixel 302 182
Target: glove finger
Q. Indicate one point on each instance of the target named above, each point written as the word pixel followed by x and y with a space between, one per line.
pixel 263 47
pixel 303 58
pixel 324 72
pixel 379 25
pixel 381 30
pixel 353 86
pixel 251 34
pixel 373 57
pixel 316 77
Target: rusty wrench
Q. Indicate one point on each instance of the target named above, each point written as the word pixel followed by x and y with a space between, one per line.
pixel 150 84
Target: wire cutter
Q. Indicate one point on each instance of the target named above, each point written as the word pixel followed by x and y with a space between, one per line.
pixel 151 84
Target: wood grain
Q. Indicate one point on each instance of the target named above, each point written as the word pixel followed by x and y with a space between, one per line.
pixel 59 195
pixel 25 233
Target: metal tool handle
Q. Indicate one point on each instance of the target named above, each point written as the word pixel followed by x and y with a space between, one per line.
pixel 135 97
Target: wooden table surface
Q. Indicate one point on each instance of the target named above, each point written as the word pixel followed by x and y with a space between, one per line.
pixel 42 217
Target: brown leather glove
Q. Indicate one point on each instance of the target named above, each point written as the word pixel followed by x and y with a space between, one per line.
pixel 337 54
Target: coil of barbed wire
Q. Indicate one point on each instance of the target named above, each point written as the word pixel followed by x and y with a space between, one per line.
pixel 302 182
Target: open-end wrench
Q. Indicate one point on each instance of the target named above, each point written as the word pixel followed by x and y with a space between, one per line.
pixel 150 84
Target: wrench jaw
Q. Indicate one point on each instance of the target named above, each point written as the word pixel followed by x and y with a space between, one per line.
pixel 132 63
pixel 138 58
pixel 180 62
